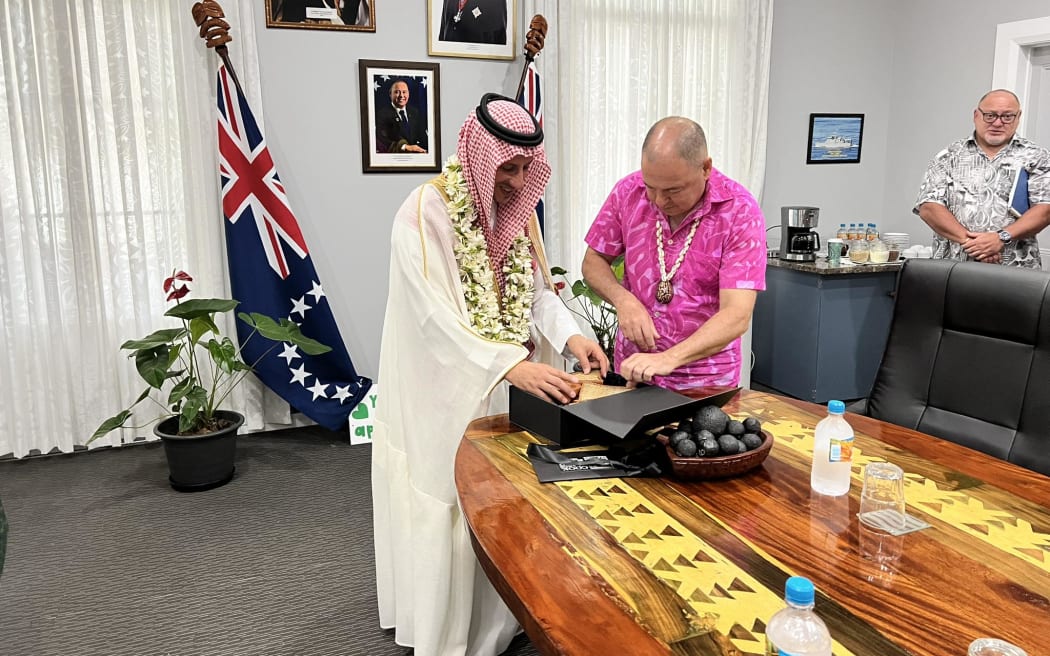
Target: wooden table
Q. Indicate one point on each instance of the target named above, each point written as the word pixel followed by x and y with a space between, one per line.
pixel 658 566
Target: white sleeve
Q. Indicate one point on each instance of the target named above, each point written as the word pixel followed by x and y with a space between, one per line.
pixel 551 318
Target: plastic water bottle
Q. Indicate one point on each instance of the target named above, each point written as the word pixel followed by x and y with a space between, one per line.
pixel 796 630
pixel 832 452
pixel 842 234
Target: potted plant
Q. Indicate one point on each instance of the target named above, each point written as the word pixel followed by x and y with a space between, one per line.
pixel 599 315
pixel 194 368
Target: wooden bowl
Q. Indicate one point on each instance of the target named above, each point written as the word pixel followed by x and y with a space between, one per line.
pixel 718 466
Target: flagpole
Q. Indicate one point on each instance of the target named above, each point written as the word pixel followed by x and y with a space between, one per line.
pixel 534 40
pixel 208 16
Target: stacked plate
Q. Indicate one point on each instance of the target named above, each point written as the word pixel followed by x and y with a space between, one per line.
pixel 899 239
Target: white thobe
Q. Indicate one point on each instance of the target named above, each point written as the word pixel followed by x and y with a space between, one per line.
pixel 437 375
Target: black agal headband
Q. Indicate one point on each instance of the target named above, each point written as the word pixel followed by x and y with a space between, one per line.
pixel 529 139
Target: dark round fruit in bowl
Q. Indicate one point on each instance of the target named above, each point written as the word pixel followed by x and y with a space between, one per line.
pixel 752 425
pixel 710 447
pixel 735 428
pixel 678 436
pixel 751 440
pixel 712 418
pixel 686 448
pixel 728 443
pixel 705 435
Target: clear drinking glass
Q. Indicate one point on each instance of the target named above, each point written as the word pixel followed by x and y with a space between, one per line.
pixel 882 499
pixel 994 647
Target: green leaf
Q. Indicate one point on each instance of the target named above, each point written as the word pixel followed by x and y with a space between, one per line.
pixel 159 338
pixel 617 268
pixel 109 425
pixel 558 271
pixel 179 392
pixel 224 354
pixel 200 326
pixel 285 331
pixel 152 365
pixel 200 307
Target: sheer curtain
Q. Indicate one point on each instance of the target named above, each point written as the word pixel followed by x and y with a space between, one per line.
pixel 107 182
pixel 611 68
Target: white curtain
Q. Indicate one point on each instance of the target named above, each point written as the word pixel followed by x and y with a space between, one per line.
pixel 611 68
pixel 107 183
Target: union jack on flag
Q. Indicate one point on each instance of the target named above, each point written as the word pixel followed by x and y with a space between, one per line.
pixel 532 100
pixel 271 272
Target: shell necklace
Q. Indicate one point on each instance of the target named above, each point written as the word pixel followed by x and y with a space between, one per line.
pixel 664 290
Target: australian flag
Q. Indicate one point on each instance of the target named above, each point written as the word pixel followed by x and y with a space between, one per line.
pixel 271 273
pixel 532 100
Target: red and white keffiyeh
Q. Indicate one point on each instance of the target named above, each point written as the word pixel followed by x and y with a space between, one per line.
pixel 481 154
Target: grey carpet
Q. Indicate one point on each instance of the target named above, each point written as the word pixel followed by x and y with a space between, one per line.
pixel 104 558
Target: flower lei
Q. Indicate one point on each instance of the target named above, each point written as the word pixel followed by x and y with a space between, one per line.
pixel 511 322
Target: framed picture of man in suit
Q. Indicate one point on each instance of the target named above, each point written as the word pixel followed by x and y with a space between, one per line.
pixel 400 117
pixel 483 29
pixel 351 15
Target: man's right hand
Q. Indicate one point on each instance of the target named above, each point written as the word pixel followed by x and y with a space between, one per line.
pixel 544 381
pixel 636 323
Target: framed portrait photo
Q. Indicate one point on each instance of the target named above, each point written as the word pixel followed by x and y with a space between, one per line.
pixel 349 15
pixel 835 138
pixel 400 117
pixel 483 29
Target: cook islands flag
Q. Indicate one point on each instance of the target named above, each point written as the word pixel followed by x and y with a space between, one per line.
pixel 271 273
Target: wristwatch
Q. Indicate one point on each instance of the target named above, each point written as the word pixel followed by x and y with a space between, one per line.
pixel 1005 237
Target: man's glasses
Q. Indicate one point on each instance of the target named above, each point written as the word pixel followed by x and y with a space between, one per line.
pixel 989 117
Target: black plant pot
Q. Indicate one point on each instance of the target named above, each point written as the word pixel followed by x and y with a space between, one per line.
pixel 200 462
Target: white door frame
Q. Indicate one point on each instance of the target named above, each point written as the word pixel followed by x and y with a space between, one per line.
pixel 1013 46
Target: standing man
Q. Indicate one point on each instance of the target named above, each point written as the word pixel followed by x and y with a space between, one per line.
pixel 694 247
pixel 965 194
pixel 469 307
pixel 399 127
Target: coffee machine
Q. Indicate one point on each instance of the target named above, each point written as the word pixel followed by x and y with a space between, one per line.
pixel 799 242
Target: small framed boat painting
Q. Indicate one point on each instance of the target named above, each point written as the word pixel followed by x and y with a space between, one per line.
pixel 835 138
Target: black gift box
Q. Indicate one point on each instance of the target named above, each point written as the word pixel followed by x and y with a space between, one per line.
pixel 607 420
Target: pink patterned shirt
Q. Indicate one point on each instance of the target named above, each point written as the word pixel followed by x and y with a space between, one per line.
pixel 728 252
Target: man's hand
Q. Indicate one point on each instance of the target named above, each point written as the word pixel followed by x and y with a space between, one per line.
pixel 641 367
pixel 544 381
pixel 983 246
pixel 412 148
pixel 636 324
pixel 589 354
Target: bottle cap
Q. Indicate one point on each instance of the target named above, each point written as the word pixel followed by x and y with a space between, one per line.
pixel 836 407
pixel 799 590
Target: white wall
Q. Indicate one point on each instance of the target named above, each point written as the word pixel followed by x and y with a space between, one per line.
pixel 311 104
pixel 828 56
pixel 914 69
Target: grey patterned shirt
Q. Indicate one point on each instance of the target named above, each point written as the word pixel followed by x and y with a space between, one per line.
pixel 977 191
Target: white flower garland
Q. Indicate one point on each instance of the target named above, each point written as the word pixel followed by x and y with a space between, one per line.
pixel 511 323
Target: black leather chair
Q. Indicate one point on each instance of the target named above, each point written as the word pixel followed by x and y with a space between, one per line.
pixel 968 359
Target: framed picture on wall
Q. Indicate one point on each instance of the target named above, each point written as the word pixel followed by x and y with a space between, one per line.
pixel 350 15
pixel 484 29
pixel 835 138
pixel 400 117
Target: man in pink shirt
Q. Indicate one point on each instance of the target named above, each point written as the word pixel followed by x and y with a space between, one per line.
pixel 694 247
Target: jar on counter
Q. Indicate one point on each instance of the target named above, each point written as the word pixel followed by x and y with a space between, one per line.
pixel 859 251
pixel 878 252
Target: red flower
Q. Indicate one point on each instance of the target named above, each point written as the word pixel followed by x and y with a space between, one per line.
pixel 177 291
pixel 558 286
